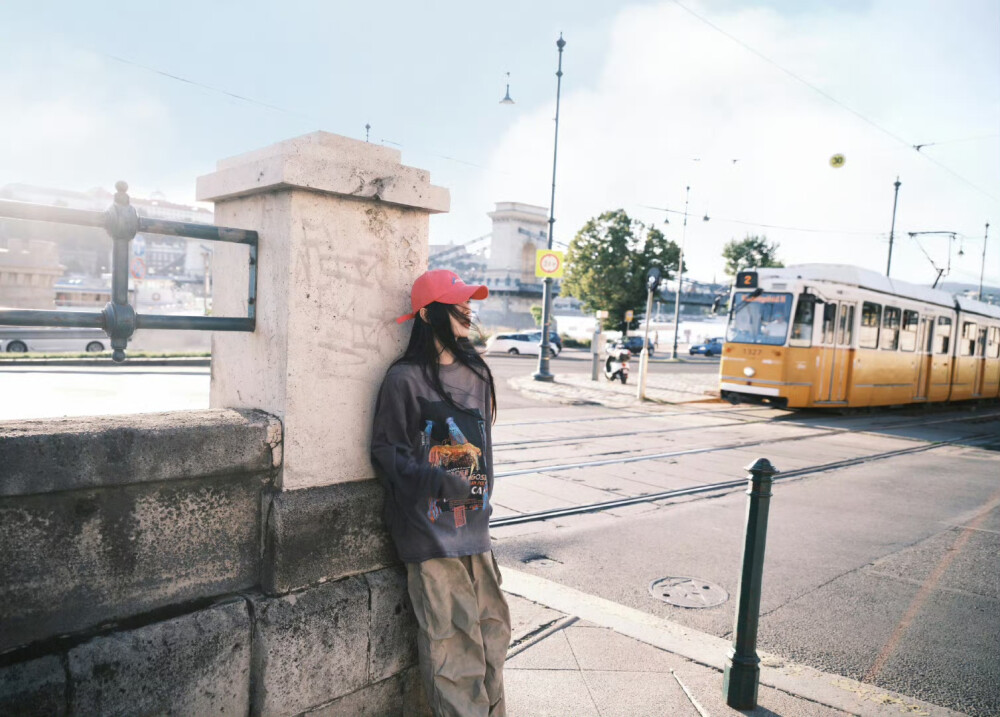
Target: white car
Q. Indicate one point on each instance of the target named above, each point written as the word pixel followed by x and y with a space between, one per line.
pixel 515 344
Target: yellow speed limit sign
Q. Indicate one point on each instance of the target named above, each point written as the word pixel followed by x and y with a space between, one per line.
pixel 549 264
pixel 837 161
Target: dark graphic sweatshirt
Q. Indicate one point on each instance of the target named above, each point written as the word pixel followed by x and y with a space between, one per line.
pixel 435 462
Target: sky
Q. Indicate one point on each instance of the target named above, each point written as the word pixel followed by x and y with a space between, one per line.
pixel 745 102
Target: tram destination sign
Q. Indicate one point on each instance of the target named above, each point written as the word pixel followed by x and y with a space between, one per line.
pixel 746 280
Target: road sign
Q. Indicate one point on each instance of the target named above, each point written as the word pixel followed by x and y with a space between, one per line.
pixel 628 315
pixel 138 246
pixel 137 268
pixel 837 161
pixel 549 263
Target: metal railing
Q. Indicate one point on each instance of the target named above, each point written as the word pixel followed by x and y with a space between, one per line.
pixel 118 319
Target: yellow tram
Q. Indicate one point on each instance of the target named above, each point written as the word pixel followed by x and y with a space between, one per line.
pixel 823 335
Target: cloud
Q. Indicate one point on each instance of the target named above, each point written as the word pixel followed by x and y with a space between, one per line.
pixel 74 122
pixel 673 90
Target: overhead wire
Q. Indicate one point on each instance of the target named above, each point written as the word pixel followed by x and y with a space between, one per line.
pixel 832 99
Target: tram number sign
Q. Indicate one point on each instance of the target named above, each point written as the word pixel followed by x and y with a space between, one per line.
pixel 549 264
pixel 746 280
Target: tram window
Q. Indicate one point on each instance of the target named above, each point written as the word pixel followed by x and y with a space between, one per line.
pixel 908 336
pixel 942 337
pixel 829 322
pixel 845 331
pixel 993 345
pixel 871 317
pixel 981 343
pixel 802 326
pixel 889 340
pixel 968 345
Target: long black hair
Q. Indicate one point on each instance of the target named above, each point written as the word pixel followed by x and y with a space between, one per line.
pixel 422 350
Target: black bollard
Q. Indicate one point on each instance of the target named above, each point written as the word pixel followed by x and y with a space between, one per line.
pixel 742 674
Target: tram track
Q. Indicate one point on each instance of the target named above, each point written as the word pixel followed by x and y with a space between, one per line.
pixel 725 485
pixel 568 440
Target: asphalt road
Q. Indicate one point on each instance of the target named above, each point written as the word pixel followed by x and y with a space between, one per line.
pixel 885 571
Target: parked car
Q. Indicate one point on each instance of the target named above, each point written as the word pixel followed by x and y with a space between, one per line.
pixel 712 347
pixel 20 340
pixel 515 344
pixel 554 339
pixel 634 344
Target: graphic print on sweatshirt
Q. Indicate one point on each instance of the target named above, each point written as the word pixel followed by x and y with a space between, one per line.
pixel 455 440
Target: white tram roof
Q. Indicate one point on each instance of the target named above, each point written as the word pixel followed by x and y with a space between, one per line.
pixel 867 279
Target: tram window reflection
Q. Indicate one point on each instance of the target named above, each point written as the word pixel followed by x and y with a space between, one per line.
pixel 942 339
pixel 993 345
pixel 890 329
pixel 802 327
pixel 871 317
pixel 968 345
pixel 761 319
pixel 829 322
pixel 845 331
pixel 908 337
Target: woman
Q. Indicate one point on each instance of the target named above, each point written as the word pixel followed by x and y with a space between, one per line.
pixel 432 447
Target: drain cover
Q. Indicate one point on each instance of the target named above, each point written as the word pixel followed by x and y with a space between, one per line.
pixel 688 592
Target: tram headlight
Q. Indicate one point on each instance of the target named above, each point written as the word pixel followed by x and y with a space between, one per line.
pixel 749 372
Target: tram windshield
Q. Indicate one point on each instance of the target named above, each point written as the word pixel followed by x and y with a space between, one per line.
pixel 761 319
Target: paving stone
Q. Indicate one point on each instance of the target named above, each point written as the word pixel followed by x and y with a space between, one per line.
pixel 552 653
pixel 547 693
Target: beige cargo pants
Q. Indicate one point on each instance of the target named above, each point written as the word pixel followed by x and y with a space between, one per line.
pixel 463 635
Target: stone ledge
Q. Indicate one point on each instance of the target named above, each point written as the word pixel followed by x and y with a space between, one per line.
pixel 36 687
pixel 196 664
pixel 401 695
pixel 62 454
pixel 326 533
pixel 77 559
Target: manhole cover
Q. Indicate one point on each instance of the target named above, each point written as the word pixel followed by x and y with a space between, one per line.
pixel 688 592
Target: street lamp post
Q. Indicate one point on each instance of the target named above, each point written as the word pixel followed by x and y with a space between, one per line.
pixel 892 228
pixel 982 267
pixel 542 374
pixel 652 280
pixel 680 275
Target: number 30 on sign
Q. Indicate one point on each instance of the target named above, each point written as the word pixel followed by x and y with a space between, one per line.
pixel 549 264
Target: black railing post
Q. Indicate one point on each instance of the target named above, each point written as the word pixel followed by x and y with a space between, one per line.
pixel 742 673
pixel 122 222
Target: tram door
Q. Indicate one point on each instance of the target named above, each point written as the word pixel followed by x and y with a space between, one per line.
pixel 837 332
pixel 925 345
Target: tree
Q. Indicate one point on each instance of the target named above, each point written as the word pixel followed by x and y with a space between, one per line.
pixel 751 252
pixel 607 262
pixel 536 314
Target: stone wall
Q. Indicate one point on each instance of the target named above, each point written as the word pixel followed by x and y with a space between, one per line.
pixel 148 565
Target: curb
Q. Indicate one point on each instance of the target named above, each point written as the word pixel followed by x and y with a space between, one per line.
pixel 106 361
pixel 835 691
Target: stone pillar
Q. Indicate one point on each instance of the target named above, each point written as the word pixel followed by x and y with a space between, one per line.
pixel 343 229
pixel 343 233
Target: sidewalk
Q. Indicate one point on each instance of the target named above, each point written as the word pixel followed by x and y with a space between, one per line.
pixel 675 387
pixel 577 655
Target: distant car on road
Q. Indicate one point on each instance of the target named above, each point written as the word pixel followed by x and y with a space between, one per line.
pixel 21 340
pixel 634 344
pixel 554 339
pixel 712 347
pixel 515 344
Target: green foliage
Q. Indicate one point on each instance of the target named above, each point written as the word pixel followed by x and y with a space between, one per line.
pixel 570 343
pixel 607 262
pixel 751 252
pixel 536 314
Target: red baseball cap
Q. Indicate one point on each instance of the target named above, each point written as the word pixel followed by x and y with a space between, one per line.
pixel 444 287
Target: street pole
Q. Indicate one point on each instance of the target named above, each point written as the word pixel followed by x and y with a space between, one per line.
pixel 680 275
pixel 892 229
pixel 652 280
pixel 742 671
pixel 542 374
pixel 982 266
